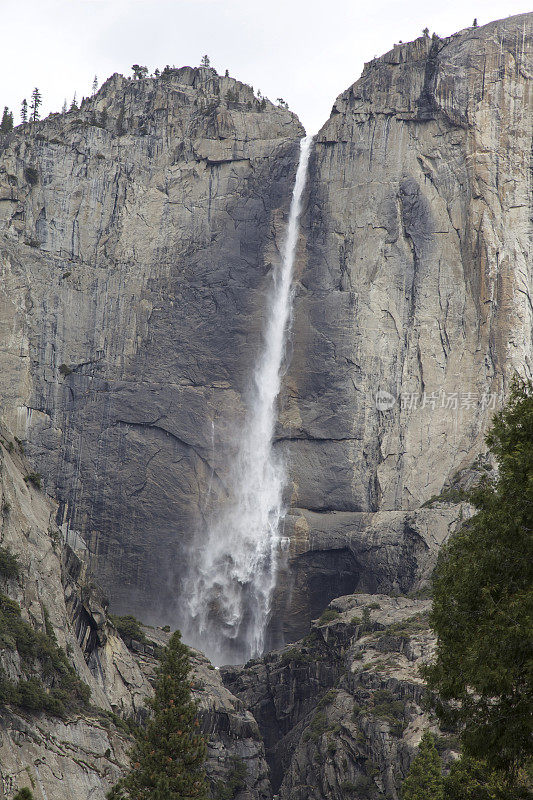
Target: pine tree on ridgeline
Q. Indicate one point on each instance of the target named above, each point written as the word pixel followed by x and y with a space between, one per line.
pixel 139 71
pixel 24 111
pixel 36 101
pixel 169 753
pixel 6 125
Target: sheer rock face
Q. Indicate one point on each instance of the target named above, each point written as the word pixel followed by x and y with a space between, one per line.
pixel 137 239
pixel 138 236
pixel 417 281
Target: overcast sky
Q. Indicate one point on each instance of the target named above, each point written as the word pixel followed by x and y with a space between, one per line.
pixel 306 51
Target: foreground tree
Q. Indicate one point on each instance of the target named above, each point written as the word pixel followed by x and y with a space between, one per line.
pixel 424 780
pixel 469 779
pixel 483 605
pixel 169 753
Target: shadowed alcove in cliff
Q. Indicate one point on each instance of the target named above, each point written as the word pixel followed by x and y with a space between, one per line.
pixel 316 577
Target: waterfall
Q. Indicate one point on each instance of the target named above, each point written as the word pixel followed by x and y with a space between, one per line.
pixel 232 575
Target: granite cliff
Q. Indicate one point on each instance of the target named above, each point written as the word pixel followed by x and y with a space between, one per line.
pixel 81 753
pixel 137 236
pixel 415 281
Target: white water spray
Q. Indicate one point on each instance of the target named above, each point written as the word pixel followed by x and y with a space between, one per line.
pixel 233 574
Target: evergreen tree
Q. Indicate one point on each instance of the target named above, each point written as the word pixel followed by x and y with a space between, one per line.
pixel 424 780
pixel 95 85
pixel 24 111
pixel 64 108
pixel 36 101
pixel 74 104
pixel 7 121
pixel 474 24
pixel 472 780
pixel 23 794
pixel 169 753
pixel 205 62
pixel 483 604
pixel 139 72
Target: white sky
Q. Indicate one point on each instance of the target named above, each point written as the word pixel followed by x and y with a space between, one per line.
pixel 306 51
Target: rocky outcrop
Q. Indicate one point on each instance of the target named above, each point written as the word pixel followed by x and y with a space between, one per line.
pixel 83 754
pixel 235 748
pixel 342 711
pixel 137 238
pixel 64 760
pixel 414 303
pixel 389 551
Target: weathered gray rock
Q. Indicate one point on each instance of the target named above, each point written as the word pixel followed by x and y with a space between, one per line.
pixel 63 760
pixel 417 276
pixel 336 552
pixel 137 239
pixel 82 756
pixel 342 710
pixel 233 736
pixel 137 236
pixel 415 279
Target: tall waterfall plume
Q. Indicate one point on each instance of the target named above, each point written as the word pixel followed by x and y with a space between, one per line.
pixel 232 574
